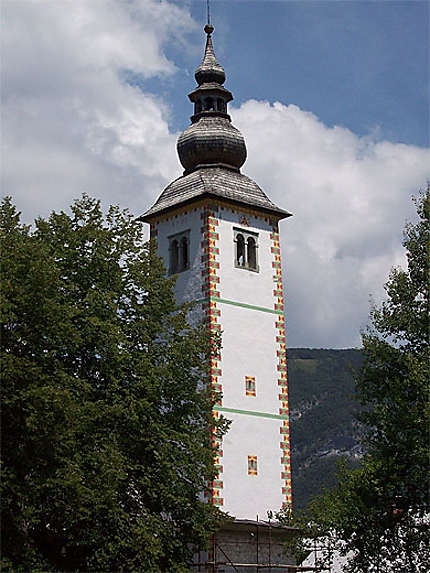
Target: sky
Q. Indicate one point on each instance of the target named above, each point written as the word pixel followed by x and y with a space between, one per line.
pixel 331 97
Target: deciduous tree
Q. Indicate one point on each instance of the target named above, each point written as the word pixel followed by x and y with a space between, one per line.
pixel 106 449
pixel 379 513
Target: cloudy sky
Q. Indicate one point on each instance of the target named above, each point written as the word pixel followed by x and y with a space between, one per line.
pixel 331 96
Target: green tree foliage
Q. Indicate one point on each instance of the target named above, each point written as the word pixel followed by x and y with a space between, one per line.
pixel 106 448
pixel 380 512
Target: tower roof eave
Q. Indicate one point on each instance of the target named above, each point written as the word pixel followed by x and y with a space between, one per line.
pixel 218 183
pixel 150 215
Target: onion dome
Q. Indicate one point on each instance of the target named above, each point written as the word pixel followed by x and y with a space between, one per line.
pixel 211 139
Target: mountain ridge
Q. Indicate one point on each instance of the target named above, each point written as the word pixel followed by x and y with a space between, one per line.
pixel 322 417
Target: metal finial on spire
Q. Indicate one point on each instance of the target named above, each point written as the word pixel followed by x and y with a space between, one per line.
pixel 208 28
pixel 209 70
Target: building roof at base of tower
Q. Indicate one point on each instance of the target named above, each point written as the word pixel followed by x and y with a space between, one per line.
pixel 218 182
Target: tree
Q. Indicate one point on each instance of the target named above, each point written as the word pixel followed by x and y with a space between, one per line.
pixel 380 512
pixel 106 443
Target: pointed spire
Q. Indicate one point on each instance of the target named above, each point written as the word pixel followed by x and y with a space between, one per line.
pixel 209 71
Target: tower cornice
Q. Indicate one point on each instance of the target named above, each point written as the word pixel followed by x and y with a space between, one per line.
pixel 224 185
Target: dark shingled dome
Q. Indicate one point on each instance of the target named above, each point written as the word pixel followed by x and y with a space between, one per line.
pixel 211 140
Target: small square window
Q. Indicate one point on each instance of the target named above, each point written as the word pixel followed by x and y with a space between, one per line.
pixel 252 466
pixel 250 388
pixel 179 252
pixel 246 250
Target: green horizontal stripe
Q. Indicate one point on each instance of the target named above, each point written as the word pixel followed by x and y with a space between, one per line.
pixel 242 304
pixel 250 306
pixel 250 413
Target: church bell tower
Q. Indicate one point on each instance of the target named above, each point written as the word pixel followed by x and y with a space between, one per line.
pixel 217 232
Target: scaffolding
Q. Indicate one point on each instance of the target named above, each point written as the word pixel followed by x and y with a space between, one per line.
pixel 249 546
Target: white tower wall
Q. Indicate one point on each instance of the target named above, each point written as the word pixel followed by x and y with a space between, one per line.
pixel 247 307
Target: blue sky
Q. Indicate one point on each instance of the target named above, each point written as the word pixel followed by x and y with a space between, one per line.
pixel 331 97
pixel 363 65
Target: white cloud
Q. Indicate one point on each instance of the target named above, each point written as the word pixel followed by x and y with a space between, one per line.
pixel 350 197
pixel 70 123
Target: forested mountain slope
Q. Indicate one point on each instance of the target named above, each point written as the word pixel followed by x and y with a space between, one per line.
pixel 322 406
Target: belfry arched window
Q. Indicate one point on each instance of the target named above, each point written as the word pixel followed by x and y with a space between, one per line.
pixel 240 250
pixel 209 104
pixel 184 253
pixel 251 251
pixel 221 105
pixel 174 256
pixel 179 252
pixel 246 249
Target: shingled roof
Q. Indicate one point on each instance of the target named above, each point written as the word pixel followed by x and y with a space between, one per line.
pixel 218 182
pixel 211 150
